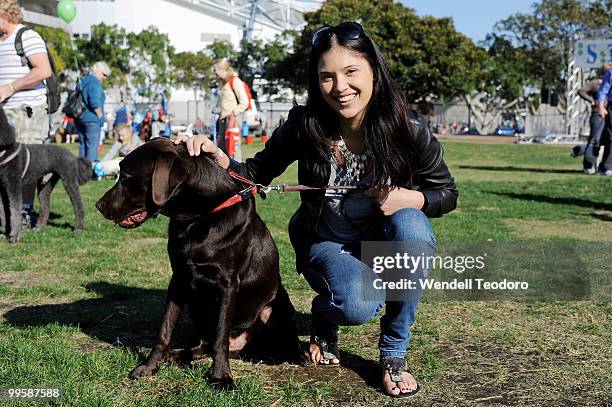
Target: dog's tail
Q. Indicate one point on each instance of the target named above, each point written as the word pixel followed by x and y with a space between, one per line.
pixel 85 171
pixel 7 134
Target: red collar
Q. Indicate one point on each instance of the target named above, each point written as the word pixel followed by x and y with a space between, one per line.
pixel 243 195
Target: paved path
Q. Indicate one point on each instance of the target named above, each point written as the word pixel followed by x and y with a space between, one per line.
pixel 477 139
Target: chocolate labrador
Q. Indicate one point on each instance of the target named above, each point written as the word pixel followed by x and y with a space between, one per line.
pixel 225 265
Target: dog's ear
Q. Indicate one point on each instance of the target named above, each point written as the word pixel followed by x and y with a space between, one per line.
pixel 168 175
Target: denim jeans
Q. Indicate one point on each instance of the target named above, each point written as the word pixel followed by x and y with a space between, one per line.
pixel 334 271
pixel 597 126
pixel 89 139
pixel 606 142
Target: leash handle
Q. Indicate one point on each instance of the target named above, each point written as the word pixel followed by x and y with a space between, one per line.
pixel 297 188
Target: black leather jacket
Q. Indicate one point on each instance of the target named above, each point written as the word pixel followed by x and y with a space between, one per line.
pixel 289 144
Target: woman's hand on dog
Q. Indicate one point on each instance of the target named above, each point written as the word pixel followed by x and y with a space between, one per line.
pixel 197 144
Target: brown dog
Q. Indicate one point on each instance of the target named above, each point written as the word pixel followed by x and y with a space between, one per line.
pixel 225 264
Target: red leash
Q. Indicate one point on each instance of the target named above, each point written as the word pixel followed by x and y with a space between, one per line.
pixel 243 195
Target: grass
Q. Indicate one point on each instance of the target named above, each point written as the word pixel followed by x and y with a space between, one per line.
pixel 79 310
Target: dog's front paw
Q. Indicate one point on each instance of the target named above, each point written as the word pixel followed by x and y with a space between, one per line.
pixel 13 239
pixel 302 359
pixel 223 383
pixel 143 371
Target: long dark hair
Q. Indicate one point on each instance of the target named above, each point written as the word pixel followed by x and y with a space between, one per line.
pixel 387 129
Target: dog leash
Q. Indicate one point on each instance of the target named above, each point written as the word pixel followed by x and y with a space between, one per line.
pixel 253 189
pixel 13 155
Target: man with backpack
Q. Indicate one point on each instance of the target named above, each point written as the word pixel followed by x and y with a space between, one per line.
pixel 24 67
pixel 90 122
pixel 233 99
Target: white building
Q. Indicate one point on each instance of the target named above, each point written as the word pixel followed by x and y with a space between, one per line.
pixel 193 24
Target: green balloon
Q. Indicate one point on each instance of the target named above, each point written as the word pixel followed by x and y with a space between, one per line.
pixel 66 10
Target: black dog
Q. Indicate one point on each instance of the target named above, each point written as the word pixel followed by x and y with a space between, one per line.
pixel 26 164
pixel 225 264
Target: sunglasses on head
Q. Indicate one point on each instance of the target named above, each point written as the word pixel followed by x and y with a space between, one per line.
pixel 347 31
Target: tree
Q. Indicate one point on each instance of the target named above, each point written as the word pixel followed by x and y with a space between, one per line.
pixel 61 47
pixel 221 49
pixel 502 85
pixel 545 36
pixel 250 60
pixel 107 43
pixel 427 56
pixel 279 61
pixel 150 53
pixel 192 71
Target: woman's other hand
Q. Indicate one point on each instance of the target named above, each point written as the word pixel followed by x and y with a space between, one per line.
pixel 392 199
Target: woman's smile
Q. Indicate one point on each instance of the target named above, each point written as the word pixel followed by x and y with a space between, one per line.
pixel 347 99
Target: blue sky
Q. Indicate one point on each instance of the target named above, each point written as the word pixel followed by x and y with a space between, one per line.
pixel 474 18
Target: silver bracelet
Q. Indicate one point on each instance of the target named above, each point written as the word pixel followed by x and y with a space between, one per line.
pixel 218 155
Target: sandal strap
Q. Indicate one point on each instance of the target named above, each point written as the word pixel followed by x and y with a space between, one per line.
pixel 329 348
pixel 395 365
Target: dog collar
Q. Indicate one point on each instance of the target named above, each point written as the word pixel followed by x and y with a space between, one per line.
pixel 243 195
pixel 13 155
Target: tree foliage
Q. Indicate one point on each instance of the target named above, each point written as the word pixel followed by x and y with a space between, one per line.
pixel 544 36
pixel 221 49
pixel 150 53
pixel 192 71
pixel 60 46
pixel 427 56
pixel 502 85
pixel 106 43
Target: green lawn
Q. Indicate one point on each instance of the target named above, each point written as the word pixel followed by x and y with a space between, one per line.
pixel 79 310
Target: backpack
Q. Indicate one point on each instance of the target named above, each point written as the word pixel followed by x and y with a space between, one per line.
pixel 247 90
pixel 75 105
pixel 53 93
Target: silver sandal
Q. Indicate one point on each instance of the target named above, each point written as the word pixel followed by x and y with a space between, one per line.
pixel 395 366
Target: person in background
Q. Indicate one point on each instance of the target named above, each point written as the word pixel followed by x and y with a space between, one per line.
pixel 126 142
pixel 167 131
pixel 121 115
pixel 23 95
pixel 157 124
pixel 589 93
pixel 70 128
pixel 232 100
pixel 89 125
pixel 604 108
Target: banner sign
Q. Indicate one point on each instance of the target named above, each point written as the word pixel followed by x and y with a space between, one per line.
pixel 591 54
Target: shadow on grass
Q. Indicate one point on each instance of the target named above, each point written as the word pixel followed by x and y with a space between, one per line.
pixel 121 315
pixel 518 169
pixel 63 225
pixel 131 316
pixel 602 216
pixel 557 201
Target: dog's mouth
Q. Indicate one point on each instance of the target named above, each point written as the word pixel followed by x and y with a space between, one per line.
pixel 134 220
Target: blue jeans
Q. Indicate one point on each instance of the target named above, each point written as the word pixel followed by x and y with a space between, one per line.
pixel 89 139
pixel 597 127
pixel 334 271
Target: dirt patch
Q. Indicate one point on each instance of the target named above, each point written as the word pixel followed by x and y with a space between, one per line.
pixel 28 279
pixel 591 231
